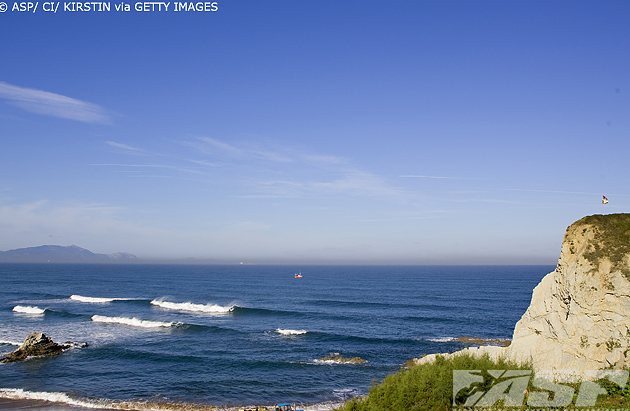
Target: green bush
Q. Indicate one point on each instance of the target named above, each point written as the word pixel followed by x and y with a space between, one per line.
pixel 430 387
pixel 423 387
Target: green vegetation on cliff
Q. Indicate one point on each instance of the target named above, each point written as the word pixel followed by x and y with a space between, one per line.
pixel 429 387
pixel 611 241
pixel 425 387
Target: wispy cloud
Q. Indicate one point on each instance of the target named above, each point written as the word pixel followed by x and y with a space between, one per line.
pixel 212 143
pixel 277 171
pixel 439 177
pixel 206 163
pixel 551 191
pixel 324 183
pixel 148 166
pixel 51 104
pixel 126 147
pixel 242 151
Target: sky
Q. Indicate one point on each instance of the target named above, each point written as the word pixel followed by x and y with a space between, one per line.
pixel 313 132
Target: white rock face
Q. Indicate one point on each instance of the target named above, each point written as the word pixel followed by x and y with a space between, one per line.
pixel 579 316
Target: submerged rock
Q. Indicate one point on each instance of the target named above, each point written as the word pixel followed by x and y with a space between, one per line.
pixel 38 344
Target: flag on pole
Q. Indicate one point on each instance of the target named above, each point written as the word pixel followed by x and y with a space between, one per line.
pixel 604 200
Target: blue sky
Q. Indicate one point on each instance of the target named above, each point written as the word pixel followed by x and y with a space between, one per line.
pixel 300 132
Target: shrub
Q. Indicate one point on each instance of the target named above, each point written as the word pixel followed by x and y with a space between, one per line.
pixel 423 387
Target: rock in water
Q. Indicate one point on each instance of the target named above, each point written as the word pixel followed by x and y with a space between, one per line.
pixel 579 316
pixel 36 344
pixel 338 359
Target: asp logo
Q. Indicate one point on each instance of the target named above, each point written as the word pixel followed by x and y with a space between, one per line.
pixel 477 388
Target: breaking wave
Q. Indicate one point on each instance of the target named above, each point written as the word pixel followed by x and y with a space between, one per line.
pixel 27 309
pixel 60 397
pixel 290 332
pixel 136 322
pixel 202 308
pixel 95 300
pixel 441 339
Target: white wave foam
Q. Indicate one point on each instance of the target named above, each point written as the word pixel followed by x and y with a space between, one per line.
pixel 132 321
pixel 60 397
pixel 203 308
pixel 290 332
pixel 96 300
pixel 327 362
pixel 9 342
pixel 20 394
pixel 27 309
pixel 441 339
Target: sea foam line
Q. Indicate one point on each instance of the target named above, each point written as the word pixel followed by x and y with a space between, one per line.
pixel 441 339
pixel 96 300
pixel 20 394
pixel 99 403
pixel 9 342
pixel 60 397
pixel 203 308
pixel 136 322
pixel 27 309
pixel 290 332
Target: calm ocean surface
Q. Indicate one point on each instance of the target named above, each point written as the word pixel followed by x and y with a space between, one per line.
pixel 240 335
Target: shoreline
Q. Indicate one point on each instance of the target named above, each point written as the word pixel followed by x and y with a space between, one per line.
pixel 19 403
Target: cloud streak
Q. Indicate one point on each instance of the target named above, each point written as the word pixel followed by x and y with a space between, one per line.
pixel 51 104
pixel 126 147
pixel 440 177
pixel 148 166
pixel 288 172
pixel 213 146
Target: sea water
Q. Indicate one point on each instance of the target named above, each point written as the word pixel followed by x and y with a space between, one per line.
pixel 242 335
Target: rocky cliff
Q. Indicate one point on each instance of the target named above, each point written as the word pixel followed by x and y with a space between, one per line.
pixel 579 316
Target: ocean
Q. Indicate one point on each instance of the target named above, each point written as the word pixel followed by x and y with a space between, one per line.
pixel 184 336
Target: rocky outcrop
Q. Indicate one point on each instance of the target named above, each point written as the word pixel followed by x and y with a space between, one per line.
pixel 579 316
pixel 338 359
pixel 502 342
pixel 38 344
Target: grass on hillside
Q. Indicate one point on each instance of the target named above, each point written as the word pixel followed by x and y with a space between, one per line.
pixel 612 241
pixel 429 387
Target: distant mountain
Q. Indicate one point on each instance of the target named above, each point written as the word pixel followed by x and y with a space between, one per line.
pixel 62 254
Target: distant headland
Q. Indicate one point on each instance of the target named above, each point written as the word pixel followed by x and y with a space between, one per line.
pixel 63 254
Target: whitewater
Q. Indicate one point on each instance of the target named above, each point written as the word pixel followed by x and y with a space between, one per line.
pixel 189 306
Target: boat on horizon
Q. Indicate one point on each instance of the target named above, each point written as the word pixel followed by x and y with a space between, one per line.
pixel 298 275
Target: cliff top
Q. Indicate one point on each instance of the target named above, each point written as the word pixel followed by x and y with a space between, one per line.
pixel 611 240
